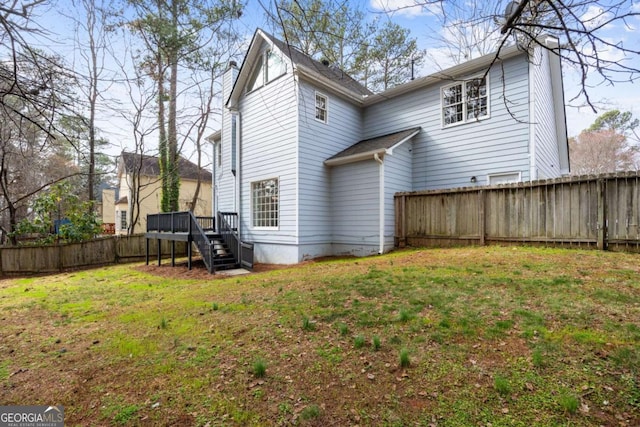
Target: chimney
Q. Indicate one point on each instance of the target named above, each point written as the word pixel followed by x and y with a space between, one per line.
pixel 228 80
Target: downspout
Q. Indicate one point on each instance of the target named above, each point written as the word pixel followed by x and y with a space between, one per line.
pixel 381 200
pixel 239 182
pixel 216 147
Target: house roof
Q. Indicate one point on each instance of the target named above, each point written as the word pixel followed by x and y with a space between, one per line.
pixel 328 71
pixel 330 76
pixel 122 200
pixel 369 148
pixel 150 166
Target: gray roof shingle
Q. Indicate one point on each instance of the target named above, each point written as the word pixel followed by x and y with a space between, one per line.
pixel 150 166
pixel 378 143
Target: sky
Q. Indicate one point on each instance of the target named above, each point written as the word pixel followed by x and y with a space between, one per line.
pixel 425 27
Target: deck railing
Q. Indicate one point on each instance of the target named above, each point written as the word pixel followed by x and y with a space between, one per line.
pixel 178 222
pixel 228 229
pixel 186 222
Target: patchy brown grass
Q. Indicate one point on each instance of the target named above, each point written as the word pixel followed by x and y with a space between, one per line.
pixel 494 336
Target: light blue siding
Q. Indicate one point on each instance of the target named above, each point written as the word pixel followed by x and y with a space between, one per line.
pixel 449 157
pixel 268 122
pixel 337 210
pixel 317 142
pixel 547 161
pixel 224 180
pixel 397 178
pixel 355 207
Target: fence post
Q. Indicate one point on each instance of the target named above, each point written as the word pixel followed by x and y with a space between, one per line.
pixel 401 220
pixel 602 214
pixel 481 217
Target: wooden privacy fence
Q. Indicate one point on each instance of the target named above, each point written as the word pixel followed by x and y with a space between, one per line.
pixel 589 211
pixel 53 258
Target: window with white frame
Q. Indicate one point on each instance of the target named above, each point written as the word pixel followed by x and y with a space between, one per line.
pixel 504 178
pixel 265 203
pixel 269 66
pixel 465 101
pixel 123 220
pixel 321 108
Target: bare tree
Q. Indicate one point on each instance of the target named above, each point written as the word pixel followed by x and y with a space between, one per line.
pixel 15 26
pixel 581 27
pixel 91 39
pixel 601 151
pixel 26 134
pixel 464 31
pixel 139 114
pixel 174 32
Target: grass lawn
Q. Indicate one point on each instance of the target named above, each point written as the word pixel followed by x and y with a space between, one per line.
pixel 490 336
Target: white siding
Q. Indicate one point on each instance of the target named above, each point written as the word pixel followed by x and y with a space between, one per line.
pixel 397 177
pixel 449 157
pixel 317 142
pixel 355 207
pixel 547 162
pixel 268 122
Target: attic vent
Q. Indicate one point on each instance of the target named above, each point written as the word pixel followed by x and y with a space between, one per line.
pixel 325 62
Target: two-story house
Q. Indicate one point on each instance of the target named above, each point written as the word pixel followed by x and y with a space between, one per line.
pixel 310 159
pixel 140 190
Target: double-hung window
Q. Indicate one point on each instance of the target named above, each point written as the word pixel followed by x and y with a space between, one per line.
pixel 265 199
pixel 123 220
pixel 465 101
pixel 321 108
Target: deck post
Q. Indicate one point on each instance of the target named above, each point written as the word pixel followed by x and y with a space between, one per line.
pixel 146 253
pixel 173 253
pixel 159 252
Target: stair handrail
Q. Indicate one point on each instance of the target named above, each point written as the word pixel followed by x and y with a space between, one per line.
pixel 198 235
pixel 228 232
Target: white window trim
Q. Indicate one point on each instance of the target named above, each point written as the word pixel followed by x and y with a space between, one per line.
pixel 266 80
pixel 256 227
pixel 463 82
pixel 502 174
pixel 326 107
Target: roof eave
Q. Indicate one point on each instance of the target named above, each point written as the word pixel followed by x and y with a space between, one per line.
pixel 354 157
pixel 314 76
pixel 449 74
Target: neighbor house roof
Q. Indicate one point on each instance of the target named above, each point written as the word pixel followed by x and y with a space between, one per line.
pixel 369 148
pixel 150 166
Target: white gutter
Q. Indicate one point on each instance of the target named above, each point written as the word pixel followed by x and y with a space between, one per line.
pixel 376 156
pixel 369 154
pixel 315 77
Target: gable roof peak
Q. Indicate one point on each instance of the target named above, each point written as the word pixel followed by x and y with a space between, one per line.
pixel 322 74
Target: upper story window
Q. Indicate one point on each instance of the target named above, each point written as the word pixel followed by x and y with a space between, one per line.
pixel 465 101
pixel 321 108
pixel 269 66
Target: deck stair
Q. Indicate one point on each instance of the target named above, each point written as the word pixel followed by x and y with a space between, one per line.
pixel 220 249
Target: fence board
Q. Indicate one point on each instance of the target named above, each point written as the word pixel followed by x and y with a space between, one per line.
pixel 102 251
pixel 586 211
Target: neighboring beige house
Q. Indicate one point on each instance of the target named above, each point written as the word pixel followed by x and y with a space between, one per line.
pixel 145 170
